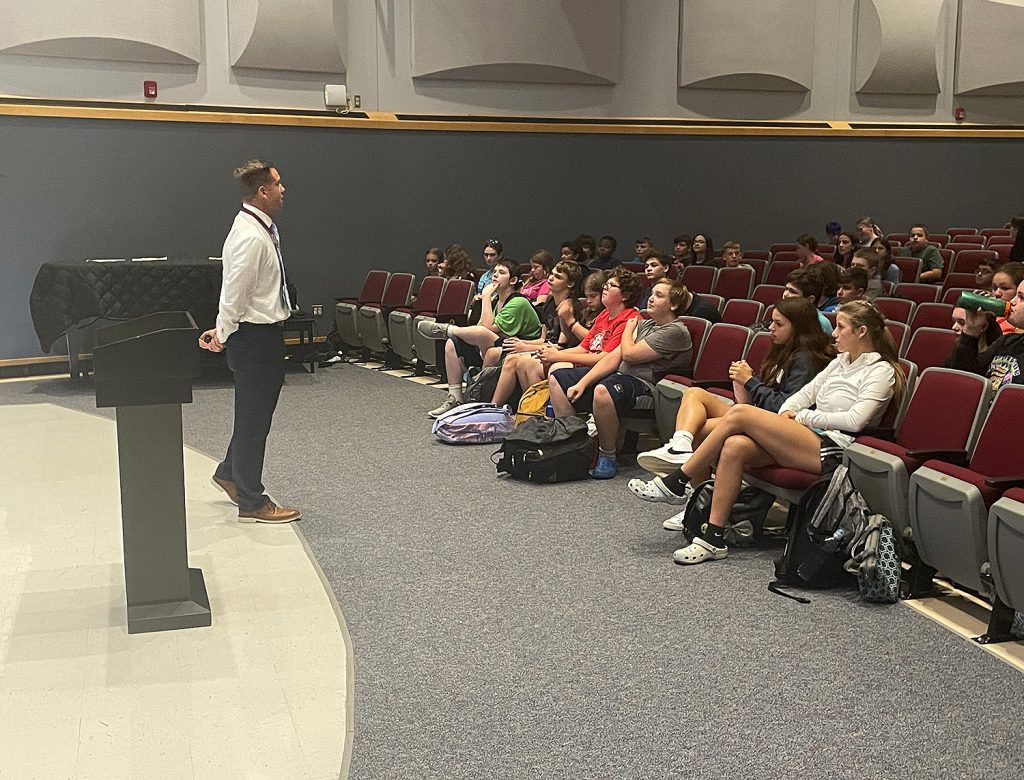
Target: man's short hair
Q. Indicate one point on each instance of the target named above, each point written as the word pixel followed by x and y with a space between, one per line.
pixel 629 285
pixel 251 175
pixel 807 283
pixel 682 238
pixel 657 255
pixel 919 225
pixel 610 239
pixel 869 255
pixel 732 245
pixel 855 277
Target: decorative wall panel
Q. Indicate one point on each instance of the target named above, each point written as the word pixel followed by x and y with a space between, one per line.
pixel 297 35
pixel 738 44
pixel 565 42
pixel 989 58
pixel 158 31
pixel 900 46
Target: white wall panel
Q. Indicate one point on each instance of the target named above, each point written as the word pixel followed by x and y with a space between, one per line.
pixel 294 35
pixel 156 31
pixel 900 46
pixel 567 42
pixel 738 44
pixel 989 60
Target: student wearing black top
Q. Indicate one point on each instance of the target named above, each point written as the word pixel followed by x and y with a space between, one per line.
pixel 696 307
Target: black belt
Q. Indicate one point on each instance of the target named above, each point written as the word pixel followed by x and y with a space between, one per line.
pixel 262 324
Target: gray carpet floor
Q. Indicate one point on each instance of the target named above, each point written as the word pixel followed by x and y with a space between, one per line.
pixel 506 630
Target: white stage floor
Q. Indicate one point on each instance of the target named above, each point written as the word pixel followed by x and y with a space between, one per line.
pixel 265 692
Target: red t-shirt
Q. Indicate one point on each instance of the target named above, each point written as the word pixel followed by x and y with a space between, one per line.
pixel 606 333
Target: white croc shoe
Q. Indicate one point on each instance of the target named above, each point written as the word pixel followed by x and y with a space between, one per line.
pixel 699 551
pixel 655 490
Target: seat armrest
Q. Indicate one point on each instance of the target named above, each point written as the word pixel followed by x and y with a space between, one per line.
pixel 1005 483
pixel 954 457
pixel 723 384
pixel 888 433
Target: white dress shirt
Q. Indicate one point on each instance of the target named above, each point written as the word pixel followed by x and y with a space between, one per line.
pixel 251 286
pixel 846 396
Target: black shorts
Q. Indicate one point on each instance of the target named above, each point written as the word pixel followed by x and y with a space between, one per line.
pixel 626 391
pixel 830 453
pixel 471 355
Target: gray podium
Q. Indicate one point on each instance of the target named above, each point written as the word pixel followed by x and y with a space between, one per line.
pixel 144 368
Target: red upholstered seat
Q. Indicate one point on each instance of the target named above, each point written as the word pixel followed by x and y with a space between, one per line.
pixel 974 478
pixel 789 479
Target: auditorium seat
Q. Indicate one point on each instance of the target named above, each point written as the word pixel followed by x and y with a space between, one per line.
pixel 952 294
pixel 740 311
pixel 699 278
pixel 400 320
pixel 929 347
pixel 899 309
pixel 999 240
pixel 918 293
pixel 346 309
pixel 768 294
pixel 957 280
pixel 910 269
pixel 948 504
pixel 899 332
pixel 372 318
pixel 785 256
pixel 953 233
pixel 978 241
pixel 932 315
pixel 778 270
pixel 453 307
pixel 1005 555
pixel 734 283
pixel 881 469
pixel 776 248
pixel 967 260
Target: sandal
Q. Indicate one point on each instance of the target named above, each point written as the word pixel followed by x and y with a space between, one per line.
pixel 699 551
pixel 655 490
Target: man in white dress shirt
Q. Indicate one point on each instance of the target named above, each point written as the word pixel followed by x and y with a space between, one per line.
pixel 253 305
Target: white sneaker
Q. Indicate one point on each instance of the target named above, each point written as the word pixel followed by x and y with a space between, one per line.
pixel 664 460
pixel 433 329
pixel 591 427
pixel 655 491
pixel 449 404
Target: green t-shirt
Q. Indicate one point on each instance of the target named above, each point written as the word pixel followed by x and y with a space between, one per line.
pixel 930 258
pixel 518 319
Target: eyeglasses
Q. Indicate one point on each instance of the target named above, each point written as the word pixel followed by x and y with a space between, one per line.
pixel 610 286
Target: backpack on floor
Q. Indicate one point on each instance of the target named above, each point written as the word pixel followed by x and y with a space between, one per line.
pixel 481 384
pixel 830 516
pixel 547 450
pixel 534 402
pixel 474 424
pixel 746 519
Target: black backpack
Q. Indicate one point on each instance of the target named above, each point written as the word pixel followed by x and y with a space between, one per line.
pixel 746 519
pixel 481 384
pixel 815 554
pixel 545 450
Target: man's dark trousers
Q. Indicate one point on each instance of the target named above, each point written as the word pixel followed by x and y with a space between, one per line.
pixel 256 358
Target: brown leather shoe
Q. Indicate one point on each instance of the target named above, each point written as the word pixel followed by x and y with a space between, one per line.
pixel 269 513
pixel 228 487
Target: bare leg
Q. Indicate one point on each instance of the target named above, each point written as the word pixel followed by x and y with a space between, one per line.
pixel 606 418
pixel 738 453
pixel 787 442
pixel 697 407
pixel 491 357
pixel 506 380
pixel 557 397
pixel 706 429
pixel 530 371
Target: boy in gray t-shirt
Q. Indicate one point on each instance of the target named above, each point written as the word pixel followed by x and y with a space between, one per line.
pixel 622 380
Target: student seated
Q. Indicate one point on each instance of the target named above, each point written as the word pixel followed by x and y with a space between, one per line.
pixel 801 283
pixel 455 263
pixel 853 283
pixel 702 251
pixel 809 433
pixel 983 274
pixel 589 248
pixel 1003 362
pixel 807 250
pixel 867 231
pixel 846 244
pixel 605 260
pixel 695 306
pixel 1004 285
pixel 732 256
pixel 869 260
pixel 931 260
pixel 656 267
pixel 504 314
pixel 619 292
pixel 887 269
pixel 493 252
pixel 959 317
pixel 571 250
pixel 561 324
pixel 643 244
pixel 535 289
pixel 829 275
pixel 649 349
pixel 680 253
pixel 800 349
pixel 433 260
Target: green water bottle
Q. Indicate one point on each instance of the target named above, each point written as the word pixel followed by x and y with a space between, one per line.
pixel 972 301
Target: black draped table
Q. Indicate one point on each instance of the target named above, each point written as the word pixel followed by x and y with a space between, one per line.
pixel 67 297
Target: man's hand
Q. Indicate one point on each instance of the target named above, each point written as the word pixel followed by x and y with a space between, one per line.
pixel 209 341
pixel 489 290
pixel 565 312
pixel 548 353
pixel 574 392
pixel 788 415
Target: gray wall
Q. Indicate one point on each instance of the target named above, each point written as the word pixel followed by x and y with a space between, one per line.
pixel 371 199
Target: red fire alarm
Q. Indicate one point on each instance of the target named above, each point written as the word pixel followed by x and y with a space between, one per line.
pixel 959 113
pixel 149 89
